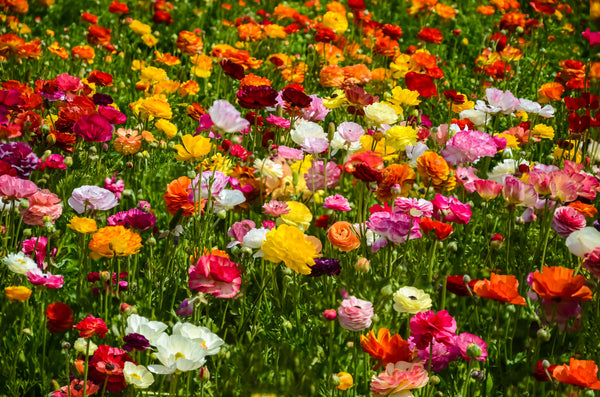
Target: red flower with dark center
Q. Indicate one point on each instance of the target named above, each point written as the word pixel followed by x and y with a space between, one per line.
pixel 232 69
pixel 257 97
pixel 296 98
pixel 106 365
pixel 59 317
pixel 421 83
pixel 455 97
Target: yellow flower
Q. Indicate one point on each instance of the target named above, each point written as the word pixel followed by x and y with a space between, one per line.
pixel 167 127
pixel 155 107
pixel 202 65
pixel 335 21
pixel 19 293
pixel 136 65
pixel 299 215
pixel 346 381
pixel 274 31
pixel 511 140
pixel 166 87
pixel 149 40
pixel 288 244
pixel 83 225
pixel 337 99
pixel 380 113
pixel 193 147
pixel 380 146
pixel 140 28
pixel 543 131
pixel 153 74
pixel 399 137
pixel 216 163
pixel 114 240
pixel 522 115
pixel 404 97
pixel 564 154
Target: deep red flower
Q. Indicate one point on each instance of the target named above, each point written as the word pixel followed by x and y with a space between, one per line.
pixel 162 17
pixel 357 5
pixel 296 98
pixel 392 31
pixel 118 8
pixel 257 97
pixel 421 83
pixel 322 222
pixel 539 373
pixel 575 104
pixel 59 317
pixel 453 96
pixel 91 18
pixel 546 9
pixel 100 78
pixel 91 326
pixel 325 35
pixel 500 41
pixel 232 69
pixel 107 364
pixel 456 285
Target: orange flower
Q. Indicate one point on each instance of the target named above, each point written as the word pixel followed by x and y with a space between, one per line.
pixel 127 141
pixel 176 197
pixel 587 210
pixel 252 79
pixel 113 241
pixel 486 10
pixel 582 373
pixel 557 282
pixel 435 171
pixel 445 11
pixel 356 75
pixel 97 35
pixel 166 59
pixel 344 236
pixel 57 50
pixel 331 76
pixel 249 31
pixel 395 174
pixel 500 288
pixel 512 20
pixel 332 54
pixel 85 52
pixel 385 348
pixel 189 43
pixel 550 92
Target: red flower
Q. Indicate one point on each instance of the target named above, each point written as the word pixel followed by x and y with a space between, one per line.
pixel 59 317
pixel 540 374
pixel 256 97
pixel 232 69
pixel 91 326
pixel 91 18
pixel 421 83
pixel 455 97
pixel 442 230
pixel 357 5
pixel 457 285
pixel 325 35
pixel 162 17
pixel 322 222
pixel 392 31
pixel 430 35
pixel 118 8
pixel 100 78
pixel 296 97
pixel 107 364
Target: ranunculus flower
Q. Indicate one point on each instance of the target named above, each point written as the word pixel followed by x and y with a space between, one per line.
pixel 215 275
pixel 41 204
pixel 12 188
pixel 92 198
pixel 226 117
pixel 567 220
pixel 59 317
pixel 343 236
pixel 91 326
pixel 93 128
pixel 421 83
pixel 583 241
pixel 336 202
pixel 398 379
pixel 430 326
pixel 464 341
pixel 411 300
pixel 355 314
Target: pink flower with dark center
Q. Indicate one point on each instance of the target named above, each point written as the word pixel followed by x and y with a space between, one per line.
pixel 355 314
pixel 466 177
pixel 215 275
pixel 337 202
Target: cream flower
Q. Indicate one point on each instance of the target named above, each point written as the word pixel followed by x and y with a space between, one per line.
pixel 19 263
pixel 381 113
pixel 137 375
pixel 411 300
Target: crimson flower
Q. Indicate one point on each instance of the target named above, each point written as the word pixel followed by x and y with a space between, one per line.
pixel 91 326
pixel 257 97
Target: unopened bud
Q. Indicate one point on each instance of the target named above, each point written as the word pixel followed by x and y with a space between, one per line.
pixel 473 350
pixel 543 335
pixel 330 314
pixel 362 265
pixel 478 375
pixel 203 374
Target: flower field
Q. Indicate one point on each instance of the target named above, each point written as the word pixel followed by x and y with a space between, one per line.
pixel 320 198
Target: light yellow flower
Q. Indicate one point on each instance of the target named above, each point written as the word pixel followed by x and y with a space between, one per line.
pixel 380 113
pixel 298 216
pixel 335 21
pixel 411 300
pixel 399 137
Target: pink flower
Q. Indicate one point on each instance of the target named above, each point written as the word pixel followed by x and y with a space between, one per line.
pixel 43 203
pixel 562 186
pixel 93 128
pixel 337 202
pixel 37 277
pixel 12 188
pixel 226 118
pixel 238 230
pixel 268 224
pixel 39 245
pixel 450 209
pixel 112 115
pixel 114 185
pixel 278 121
pixel 540 181
pixel 355 314
pixel 54 161
pixel 276 208
pixel 566 220
pixel 399 377
pixel 350 132
pixel 316 111
pixel 464 340
pixel 67 82
pixel 315 176
pixel 468 146
pixel 89 197
pixel 413 207
pixel 442 354
pixel 592 37
pixel 506 101
pixel 466 177
pixel 289 153
pixel 315 145
pixel 394 226
pixel 592 262
pixel 330 314
pixel 215 275
pixel 518 193
pixel 430 326
pixel 488 190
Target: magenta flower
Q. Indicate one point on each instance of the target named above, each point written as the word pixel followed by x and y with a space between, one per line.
pixel 315 176
pixel 112 115
pixel 13 188
pixel 567 220
pixel 469 146
pixel 464 340
pixel 442 354
pixel 39 245
pixel 19 157
pixel 54 161
pixel 89 197
pixel 355 314
pixel 430 326
pixel 139 219
pixel 215 275
pixel 114 185
pixel 450 209
pixel 278 121
pixel 336 202
pixel 37 277
pixel 93 128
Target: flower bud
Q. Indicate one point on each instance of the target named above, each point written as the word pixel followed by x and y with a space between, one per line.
pixel 362 265
pixel 222 214
pixel 452 246
pixel 545 364
pixel 478 375
pixel 473 350
pixel 543 335
pixel 65 346
pixel 27 233
pixel 434 380
pixel 24 204
pixel 345 381
pixel 203 374
pixel 387 290
pixel 496 241
pixel 68 161
pixel 151 241
pixel 330 314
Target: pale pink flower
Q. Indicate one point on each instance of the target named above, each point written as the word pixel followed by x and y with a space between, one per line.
pixel 336 202
pixel 12 188
pixel 289 153
pixel 276 208
pixel 316 111
pixel 518 193
pixel 506 101
pixel 315 145
pixel 315 176
pixel 355 314
pixel 566 220
pixel 226 117
pixel 394 226
pixel 215 275
pixel 413 207
pixel 562 186
pixel 540 181
pixel 466 177
pixel 398 379
pixel 350 132
pixel 488 190
pixel 89 197
pixel 41 204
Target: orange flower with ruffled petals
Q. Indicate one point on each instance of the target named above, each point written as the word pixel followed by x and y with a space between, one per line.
pixel 500 288
pixel 582 373
pixel 177 197
pixel 385 348
pixel 113 241
pixel 558 282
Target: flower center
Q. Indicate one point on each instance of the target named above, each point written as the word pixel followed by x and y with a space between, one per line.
pixel 179 355
pixel 414 298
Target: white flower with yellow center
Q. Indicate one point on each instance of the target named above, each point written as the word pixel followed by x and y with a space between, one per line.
pixel 178 353
pixel 137 375
pixel 19 263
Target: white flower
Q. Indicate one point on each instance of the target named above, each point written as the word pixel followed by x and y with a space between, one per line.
pixel 477 117
pixel 80 346
pixel 268 168
pixel 529 106
pixel 19 263
pixel 151 330
pixel 137 375
pixel 547 111
pixel 226 117
pixel 481 106
pixel 583 241
pixel 255 239
pixel 177 353
pixel 381 113
pixel 200 335
pixel 506 167
pixel 337 143
pixel 90 197
pixel 414 152
pixel 411 300
pixel 304 129
pixel 228 199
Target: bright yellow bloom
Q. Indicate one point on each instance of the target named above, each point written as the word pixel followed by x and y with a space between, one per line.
pixel 153 74
pixel 404 97
pixel 149 40
pixel 337 99
pixel 299 215
pixel 511 140
pixel 19 293
pixel 155 107
pixel 335 21
pixel 114 240
pixel 346 380
pixel 83 225
pixel 543 131
pixel 288 244
pixel 166 87
pixel 193 148
pixel 202 65
pixel 140 28
pixel 564 154
pixel 274 31
pixel 167 127
pixel 399 137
